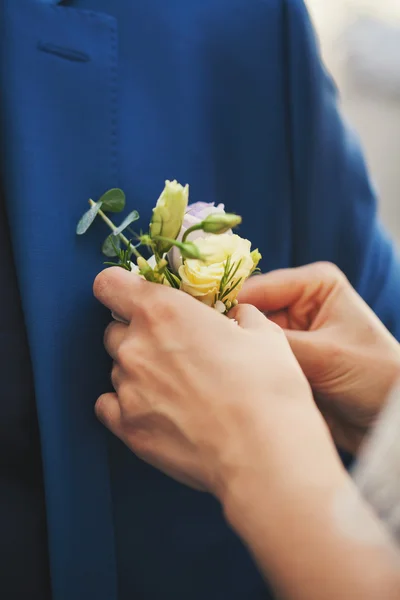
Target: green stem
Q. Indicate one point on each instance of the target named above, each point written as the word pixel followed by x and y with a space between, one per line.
pixel 196 227
pixel 183 247
pixel 173 280
pixel 113 227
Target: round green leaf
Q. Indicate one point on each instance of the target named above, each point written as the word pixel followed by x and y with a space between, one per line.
pixel 113 200
pixel 111 245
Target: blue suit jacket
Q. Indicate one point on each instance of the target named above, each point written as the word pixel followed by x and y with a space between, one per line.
pixel 230 96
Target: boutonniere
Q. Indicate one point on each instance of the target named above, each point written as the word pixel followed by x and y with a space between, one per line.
pixel 192 246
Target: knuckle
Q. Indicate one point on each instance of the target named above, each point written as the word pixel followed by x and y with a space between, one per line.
pixel 100 406
pixel 124 355
pixel 162 309
pixel 115 377
pixel 127 400
pixel 140 305
pixel 108 333
pixel 329 269
pixel 142 290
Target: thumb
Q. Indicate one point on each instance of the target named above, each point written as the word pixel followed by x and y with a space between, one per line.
pixel 309 352
pixel 248 317
pixel 273 291
pixel 278 290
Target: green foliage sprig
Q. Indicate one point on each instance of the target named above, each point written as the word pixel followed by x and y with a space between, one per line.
pixel 164 229
pixel 114 201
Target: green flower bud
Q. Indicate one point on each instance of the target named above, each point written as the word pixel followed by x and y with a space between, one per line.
pixel 145 240
pixel 190 250
pixel 218 223
pixel 161 266
pixel 145 269
pixel 156 274
pixel 256 257
pixel 168 214
pixel 143 264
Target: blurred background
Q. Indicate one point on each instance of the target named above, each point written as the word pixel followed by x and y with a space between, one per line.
pixel 360 43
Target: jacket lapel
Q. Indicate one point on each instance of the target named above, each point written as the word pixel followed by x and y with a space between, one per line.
pixel 58 98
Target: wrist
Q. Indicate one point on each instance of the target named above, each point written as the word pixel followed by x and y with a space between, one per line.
pixel 374 399
pixel 323 514
pixel 271 463
pixel 277 513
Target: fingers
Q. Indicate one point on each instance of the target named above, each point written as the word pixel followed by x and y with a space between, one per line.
pixel 248 317
pixel 310 352
pixel 126 294
pixel 280 289
pixel 117 377
pixel 280 318
pixel 129 296
pixel 304 344
pixel 116 288
pixel 108 411
pixel 113 338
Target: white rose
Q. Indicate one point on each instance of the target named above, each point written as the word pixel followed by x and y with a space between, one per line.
pixel 202 279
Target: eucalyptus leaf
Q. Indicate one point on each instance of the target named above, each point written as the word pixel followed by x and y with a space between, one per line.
pixel 113 200
pixel 111 245
pixel 133 216
pixel 88 218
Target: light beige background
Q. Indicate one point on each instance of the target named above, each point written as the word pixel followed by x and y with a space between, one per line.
pixel 374 113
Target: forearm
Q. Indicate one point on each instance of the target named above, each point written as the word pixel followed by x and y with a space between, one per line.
pixel 295 526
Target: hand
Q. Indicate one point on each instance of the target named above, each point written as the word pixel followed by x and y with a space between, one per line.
pixel 348 356
pixel 198 396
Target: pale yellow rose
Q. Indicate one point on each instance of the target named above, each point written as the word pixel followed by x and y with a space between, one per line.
pixel 202 279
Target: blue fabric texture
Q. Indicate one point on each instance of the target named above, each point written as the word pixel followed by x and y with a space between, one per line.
pixel 24 569
pixel 229 96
